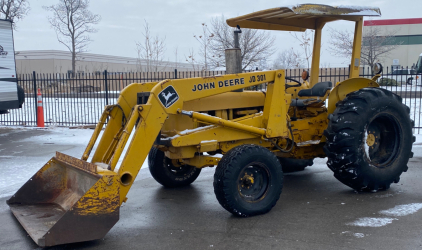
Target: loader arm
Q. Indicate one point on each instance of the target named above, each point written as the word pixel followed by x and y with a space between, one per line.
pixel 167 97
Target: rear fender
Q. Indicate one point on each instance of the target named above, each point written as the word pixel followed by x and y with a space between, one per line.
pixel 342 89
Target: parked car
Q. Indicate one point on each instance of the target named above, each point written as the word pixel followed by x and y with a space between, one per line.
pixel 404 76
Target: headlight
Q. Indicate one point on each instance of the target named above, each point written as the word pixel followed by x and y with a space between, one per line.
pixel 377 68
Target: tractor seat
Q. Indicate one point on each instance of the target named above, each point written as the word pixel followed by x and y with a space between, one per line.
pixel 318 89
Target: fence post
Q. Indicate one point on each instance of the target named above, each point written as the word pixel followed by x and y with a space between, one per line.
pixel 175 73
pixel 34 81
pixel 106 86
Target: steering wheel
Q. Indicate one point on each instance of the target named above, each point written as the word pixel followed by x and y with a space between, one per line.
pixel 293 80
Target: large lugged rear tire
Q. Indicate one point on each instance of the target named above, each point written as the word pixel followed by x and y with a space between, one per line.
pixel 290 165
pixel 369 139
pixel 165 173
pixel 248 180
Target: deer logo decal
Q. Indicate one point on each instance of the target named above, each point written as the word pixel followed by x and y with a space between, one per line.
pixel 168 96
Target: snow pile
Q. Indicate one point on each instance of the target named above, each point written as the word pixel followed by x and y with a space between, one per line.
pixel 418 142
pixel 63 136
pixel 371 222
pixel 357 235
pixel 397 211
pixel 20 168
pixel 402 210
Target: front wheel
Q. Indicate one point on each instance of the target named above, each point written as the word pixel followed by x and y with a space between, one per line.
pixel 369 139
pixel 248 180
pixel 168 175
pixel 290 165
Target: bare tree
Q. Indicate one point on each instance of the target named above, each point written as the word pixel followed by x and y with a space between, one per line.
pixel 205 40
pixel 376 44
pixel 175 57
pixel 14 10
pixel 255 45
pixel 341 43
pixel 306 41
pixel 288 59
pixel 151 50
pixel 72 22
pixel 196 66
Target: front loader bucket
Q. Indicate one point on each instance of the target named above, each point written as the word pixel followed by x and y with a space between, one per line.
pixel 67 201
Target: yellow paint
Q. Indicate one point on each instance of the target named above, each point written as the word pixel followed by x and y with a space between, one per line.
pixel 357 41
pixel 370 140
pixel 340 91
pixel 201 161
pixel 102 198
pixel 275 107
pixel 316 52
pixel 230 124
pixel 248 179
pixel 206 146
pixel 97 131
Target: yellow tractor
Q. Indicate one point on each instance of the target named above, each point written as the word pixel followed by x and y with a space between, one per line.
pixel 187 124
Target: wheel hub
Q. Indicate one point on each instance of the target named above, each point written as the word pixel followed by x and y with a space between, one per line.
pixel 247 180
pixel 382 140
pixel 253 182
pixel 370 139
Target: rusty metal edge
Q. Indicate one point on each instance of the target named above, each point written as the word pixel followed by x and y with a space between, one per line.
pixel 76 163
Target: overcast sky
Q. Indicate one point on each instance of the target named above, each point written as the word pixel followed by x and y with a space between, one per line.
pixel 178 20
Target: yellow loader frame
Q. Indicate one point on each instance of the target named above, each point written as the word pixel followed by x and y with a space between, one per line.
pixel 174 116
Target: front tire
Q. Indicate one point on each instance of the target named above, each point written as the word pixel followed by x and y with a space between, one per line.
pixel 290 165
pixel 248 180
pixel 168 175
pixel 369 139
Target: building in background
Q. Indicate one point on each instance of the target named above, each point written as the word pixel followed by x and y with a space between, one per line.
pixel 407 33
pixel 56 61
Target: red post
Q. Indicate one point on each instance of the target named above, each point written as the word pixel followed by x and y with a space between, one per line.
pixel 40 115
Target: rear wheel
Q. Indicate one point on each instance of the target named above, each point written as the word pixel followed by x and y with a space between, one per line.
pixel 168 175
pixel 369 139
pixel 248 180
pixel 294 165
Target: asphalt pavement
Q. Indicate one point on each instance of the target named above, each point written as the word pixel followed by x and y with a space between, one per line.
pixel 315 211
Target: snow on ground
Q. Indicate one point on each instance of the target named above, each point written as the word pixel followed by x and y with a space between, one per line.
pixel 72 111
pixel 397 211
pixel 63 136
pixel 418 141
pixel 20 168
pixel 371 222
pixel 17 172
pixel 403 88
pixel 402 210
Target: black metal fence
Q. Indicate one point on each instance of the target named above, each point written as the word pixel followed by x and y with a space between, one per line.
pixel 79 100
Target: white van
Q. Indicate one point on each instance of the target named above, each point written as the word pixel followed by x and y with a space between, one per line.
pixel 11 96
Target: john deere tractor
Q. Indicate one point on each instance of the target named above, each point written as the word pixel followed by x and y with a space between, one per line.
pixel 185 125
